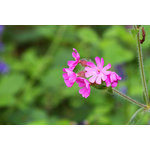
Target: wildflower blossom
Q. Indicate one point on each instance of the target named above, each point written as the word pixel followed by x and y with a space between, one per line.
pixel 112 79
pixel 84 85
pixel 69 77
pixel 72 64
pixel 3 68
pixel 97 73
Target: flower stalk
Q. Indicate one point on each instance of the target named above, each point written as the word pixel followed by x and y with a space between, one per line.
pixel 139 48
pixel 128 98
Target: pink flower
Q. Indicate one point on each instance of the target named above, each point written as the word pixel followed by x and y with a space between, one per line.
pixel 97 73
pixel 112 79
pixel 84 85
pixel 69 77
pixel 72 64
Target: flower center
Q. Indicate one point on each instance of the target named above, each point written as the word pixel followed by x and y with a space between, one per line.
pixel 98 70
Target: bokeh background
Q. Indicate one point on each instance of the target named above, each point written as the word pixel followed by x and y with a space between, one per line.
pixel 32 90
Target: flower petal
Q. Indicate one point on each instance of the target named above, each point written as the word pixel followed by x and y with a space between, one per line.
pixel 90 72
pixel 75 50
pixel 107 67
pixel 87 94
pixel 71 62
pixel 81 91
pixel 98 80
pixel 68 83
pixel 97 59
pixel 104 77
pixel 80 82
pixel 102 62
pixel 106 72
pixel 75 55
pixel 65 76
pixel 91 64
pixel 93 78
pixel 108 83
pixel 114 84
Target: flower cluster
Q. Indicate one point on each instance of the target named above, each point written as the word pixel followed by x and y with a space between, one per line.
pixel 91 75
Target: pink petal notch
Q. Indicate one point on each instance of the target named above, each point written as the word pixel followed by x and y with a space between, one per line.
pixel 69 77
pixel 73 63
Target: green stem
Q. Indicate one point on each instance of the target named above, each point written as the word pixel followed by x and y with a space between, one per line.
pixel 128 98
pixel 142 67
pixel 134 115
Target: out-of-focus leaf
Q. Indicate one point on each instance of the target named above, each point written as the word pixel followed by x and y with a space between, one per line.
pixel 87 35
pixel 115 53
pixel 121 33
pixel 53 78
pixel 12 84
pixel 39 122
pixel 46 31
pixel 6 100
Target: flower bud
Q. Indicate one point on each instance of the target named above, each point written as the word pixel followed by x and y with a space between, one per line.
pixel 81 74
pixel 83 62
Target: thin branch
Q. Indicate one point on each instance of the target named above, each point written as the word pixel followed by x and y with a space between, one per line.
pixel 134 115
pixel 142 67
pixel 128 98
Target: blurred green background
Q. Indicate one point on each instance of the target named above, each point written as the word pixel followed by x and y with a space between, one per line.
pixel 33 90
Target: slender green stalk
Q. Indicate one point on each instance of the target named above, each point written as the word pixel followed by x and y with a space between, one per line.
pixel 134 115
pixel 128 98
pixel 142 67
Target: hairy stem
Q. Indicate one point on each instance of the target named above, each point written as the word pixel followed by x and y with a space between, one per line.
pixel 142 67
pixel 128 98
pixel 135 114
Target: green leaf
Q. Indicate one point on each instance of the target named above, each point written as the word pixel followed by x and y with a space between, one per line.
pixel 120 33
pixel 88 35
pixel 7 100
pixel 99 115
pixel 12 84
pixel 46 31
pixel 115 53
